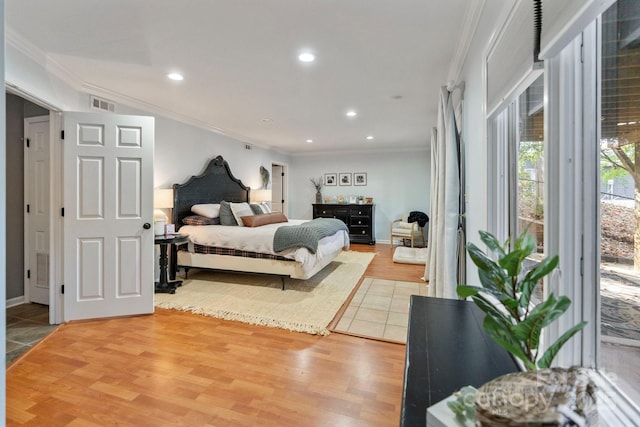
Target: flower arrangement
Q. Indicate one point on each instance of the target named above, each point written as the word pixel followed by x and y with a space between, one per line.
pixel 317 183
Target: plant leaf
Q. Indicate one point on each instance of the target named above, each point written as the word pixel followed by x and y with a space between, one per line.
pixel 543 314
pixel 548 356
pixel 506 340
pixel 486 266
pixel 545 267
pixel 525 243
pixel 512 262
pixel 491 242
pixel 465 291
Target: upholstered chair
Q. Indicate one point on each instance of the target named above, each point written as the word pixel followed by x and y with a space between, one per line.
pixel 401 228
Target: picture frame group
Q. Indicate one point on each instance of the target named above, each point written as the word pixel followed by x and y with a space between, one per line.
pixel 345 179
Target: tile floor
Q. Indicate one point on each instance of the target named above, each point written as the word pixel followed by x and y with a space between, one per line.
pixel 26 325
pixel 380 309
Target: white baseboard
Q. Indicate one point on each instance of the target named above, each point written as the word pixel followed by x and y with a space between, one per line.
pixel 15 301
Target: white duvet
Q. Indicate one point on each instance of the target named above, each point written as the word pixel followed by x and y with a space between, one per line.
pixel 260 239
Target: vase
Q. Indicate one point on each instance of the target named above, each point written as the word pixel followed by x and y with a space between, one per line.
pixel 535 398
pixel 318 197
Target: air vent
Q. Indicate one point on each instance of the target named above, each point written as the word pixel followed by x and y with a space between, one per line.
pixel 102 104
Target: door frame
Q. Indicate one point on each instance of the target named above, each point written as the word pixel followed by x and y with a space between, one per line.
pixel 55 204
pixel 285 185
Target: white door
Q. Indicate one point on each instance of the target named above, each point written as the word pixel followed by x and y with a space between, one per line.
pixel 108 202
pixel 37 194
pixel 276 188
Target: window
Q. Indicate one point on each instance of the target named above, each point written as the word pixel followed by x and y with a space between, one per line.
pixel 619 148
pixel 518 129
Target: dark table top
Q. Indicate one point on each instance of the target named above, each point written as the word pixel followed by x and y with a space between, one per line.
pixel 447 349
pixel 170 238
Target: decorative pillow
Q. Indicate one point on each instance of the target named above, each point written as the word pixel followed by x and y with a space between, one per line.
pixel 226 216
pixel 266 208
pixel 258 220
pixel 209 210
pixel 239 210
pixel 256 208
pixel 200 220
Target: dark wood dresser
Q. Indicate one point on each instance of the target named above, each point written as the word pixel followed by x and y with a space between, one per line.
pixel 359 219
pixel 447 349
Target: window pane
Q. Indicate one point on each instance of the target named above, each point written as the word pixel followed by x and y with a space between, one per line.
pixel 620 235
pixel 529 166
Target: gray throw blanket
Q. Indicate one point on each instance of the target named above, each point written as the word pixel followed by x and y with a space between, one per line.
pixel 307 234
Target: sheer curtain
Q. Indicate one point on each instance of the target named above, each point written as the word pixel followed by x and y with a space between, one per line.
pixel 446 225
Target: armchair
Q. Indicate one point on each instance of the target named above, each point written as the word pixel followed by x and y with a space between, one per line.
pixel 402 228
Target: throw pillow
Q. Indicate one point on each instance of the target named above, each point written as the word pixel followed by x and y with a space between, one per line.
pixel 226 216
pixel 239 210
pixel 266 208
pixel 210 210
pixel 255 207
pixel 200 220
pixel 258 220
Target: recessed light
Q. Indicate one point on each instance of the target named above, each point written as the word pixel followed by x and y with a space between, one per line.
pixel 175 76
pixel 309 141
pixel 307 57
pixel 369 137
pixel 351 113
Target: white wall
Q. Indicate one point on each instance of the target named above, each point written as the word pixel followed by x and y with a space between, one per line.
pixel 474 123
pixel 397 181
pixel 182 150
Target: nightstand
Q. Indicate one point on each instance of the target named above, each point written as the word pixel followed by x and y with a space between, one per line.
pixel 164 285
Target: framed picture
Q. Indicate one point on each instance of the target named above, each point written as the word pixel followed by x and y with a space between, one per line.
pixel 345 178
pixel 369 200
pixel 330 179
pixel 360 178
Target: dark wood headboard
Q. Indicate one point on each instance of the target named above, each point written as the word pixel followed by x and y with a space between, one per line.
pixel 215 184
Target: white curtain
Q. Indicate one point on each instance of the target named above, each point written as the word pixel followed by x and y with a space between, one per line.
pixel 446 225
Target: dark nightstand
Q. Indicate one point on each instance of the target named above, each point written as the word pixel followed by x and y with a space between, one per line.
pixel 164 285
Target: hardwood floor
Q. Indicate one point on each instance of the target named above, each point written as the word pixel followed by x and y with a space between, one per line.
pixel 177 368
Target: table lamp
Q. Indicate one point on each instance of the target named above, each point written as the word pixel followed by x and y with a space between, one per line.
pixel 162 199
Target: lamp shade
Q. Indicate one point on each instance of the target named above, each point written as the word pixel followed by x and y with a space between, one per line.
pixel 163 198
pixel 260 195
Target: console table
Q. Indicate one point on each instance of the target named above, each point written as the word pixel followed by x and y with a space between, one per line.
pixel 447 349
pixel 359 219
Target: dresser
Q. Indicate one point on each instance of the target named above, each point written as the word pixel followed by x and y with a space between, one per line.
pixel 447 349
pixel 359 219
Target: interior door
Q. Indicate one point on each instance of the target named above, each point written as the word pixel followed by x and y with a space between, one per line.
pixel 37 194
pixel 108 202
pixel 276 189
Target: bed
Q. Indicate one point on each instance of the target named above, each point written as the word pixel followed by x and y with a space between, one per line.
pixel 236 248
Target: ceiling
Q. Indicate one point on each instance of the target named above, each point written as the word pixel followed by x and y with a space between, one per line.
pixel 385 59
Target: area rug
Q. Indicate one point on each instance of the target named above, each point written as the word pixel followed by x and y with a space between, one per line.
pixel 305 306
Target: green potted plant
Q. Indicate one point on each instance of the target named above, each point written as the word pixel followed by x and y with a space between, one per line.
pixel 514 323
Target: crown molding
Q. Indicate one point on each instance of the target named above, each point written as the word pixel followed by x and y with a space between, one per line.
pixel 425 149
pixel 469 26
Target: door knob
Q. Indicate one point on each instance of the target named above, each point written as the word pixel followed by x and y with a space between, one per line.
pixel 146 226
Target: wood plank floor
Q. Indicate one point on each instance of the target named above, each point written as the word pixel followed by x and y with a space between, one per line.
pixel 176 368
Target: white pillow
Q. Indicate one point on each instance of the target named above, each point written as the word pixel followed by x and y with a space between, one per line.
pixel 239 210
pixel 265 207
pixel 209 210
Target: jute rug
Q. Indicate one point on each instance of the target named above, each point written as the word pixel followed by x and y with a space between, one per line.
pixel 305 306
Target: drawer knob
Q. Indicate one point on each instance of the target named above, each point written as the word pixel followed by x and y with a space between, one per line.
pixel 364 232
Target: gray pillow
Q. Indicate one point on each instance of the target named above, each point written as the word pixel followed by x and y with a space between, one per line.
pixel 257 210
pixel 226 215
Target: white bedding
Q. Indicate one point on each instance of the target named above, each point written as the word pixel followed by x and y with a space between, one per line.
pixel 260 239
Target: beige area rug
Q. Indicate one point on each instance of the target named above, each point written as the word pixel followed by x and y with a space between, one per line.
pixel 304 306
